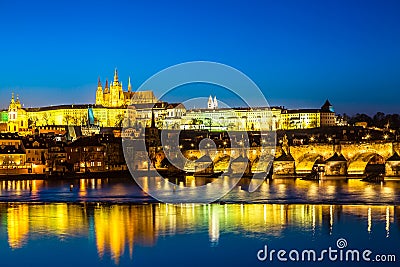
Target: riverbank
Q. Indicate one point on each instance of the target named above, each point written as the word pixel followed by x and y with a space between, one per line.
pixel 65 176
pixel 163 173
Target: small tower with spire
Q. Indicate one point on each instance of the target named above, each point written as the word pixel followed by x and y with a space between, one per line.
pixel 99 93
pixel 17 117
pixel 215 102
pixel 115 76
pixel 129 85
pixel 210 103
pixel 106 88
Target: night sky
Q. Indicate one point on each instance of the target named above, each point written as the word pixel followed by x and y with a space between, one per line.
pixel 298 52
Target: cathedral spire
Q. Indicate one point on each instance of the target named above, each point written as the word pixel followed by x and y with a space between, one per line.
pixel 116 75
pixel 12 98
pixel 129 85
pixel 210 103
pixel 99 82
pixel 106 88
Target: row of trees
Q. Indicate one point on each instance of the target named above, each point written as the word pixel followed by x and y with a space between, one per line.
pixel 71 120
pixel 380 120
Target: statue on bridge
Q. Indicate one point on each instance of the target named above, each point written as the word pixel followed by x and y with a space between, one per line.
pixel 285 145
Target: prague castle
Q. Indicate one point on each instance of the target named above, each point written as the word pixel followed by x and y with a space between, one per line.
pixel 113 95
pixel 112 101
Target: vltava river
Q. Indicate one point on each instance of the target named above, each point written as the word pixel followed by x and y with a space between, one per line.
pixel 114 223
pixel 124 190
pixel 60 234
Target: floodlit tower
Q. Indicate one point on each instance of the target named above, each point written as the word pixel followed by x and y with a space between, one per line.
pixel 129 85
pixel 210 103
pixel 99 93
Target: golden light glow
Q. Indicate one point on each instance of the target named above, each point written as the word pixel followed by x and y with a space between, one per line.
pixel 117 228
pixel 17 225
pixel 369 220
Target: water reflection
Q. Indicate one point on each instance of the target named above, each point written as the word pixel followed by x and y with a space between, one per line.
pixel 276 191
pixel 117 229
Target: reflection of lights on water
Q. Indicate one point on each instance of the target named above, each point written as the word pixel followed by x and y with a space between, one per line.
pixel 116 226
pixel 387 191
pixel 313 218
pixel 265 213
pixel 17 225
pixel 82 188
pixel 281 190
pixel 331 190
pixel 369 220
pixel 313 191
pixel 387 221
pixel 226 212
pixel 369 191
pixel 214 226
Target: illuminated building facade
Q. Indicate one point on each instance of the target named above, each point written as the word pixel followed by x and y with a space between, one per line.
pixel 308 118
pixel 75 115
pixel 17 117
pixel 112 101
pixel 12 154
pixel 232 119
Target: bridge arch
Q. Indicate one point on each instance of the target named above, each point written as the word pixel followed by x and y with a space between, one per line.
pixel 306 163
pixel 222 163
pixel 362 162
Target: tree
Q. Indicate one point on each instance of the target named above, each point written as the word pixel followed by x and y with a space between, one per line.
pixel 32 122
pixel 67 119
pixel 379 120
pixel 46 118
pixel 361 118
pixel 119 120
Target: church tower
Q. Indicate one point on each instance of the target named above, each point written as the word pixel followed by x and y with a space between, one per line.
pixel 106 88
pixel 99 94
pixel 210 103
pixel 129 85
pixel 17 118
pixel 116 92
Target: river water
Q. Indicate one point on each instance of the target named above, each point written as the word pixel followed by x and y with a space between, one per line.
pixel 113 223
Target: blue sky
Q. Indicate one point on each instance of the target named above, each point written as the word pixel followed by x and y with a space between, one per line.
pixel 298 52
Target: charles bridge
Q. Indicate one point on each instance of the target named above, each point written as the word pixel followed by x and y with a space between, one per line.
pixel 342 159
